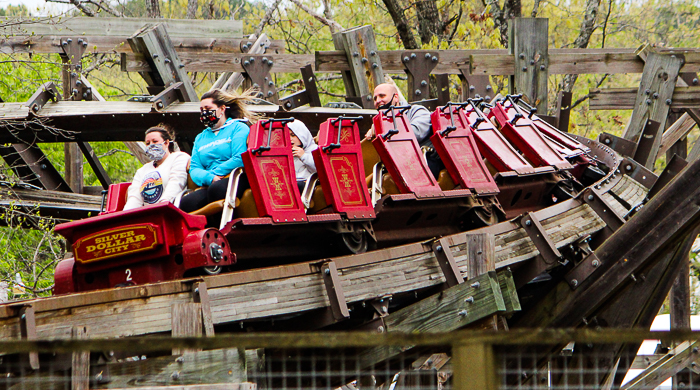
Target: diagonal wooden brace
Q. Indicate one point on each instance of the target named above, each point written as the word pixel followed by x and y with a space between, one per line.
pixel 43 94
pixel 447 263
pixel 334 289
pixel 201 296
pixel 170 95
pixel 27 326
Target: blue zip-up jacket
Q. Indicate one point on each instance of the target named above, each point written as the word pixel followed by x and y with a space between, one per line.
pixel 218 154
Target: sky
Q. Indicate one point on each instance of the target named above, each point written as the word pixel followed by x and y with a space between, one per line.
pixel 53 8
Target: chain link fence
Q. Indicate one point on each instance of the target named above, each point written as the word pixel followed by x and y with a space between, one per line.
pixel 518 359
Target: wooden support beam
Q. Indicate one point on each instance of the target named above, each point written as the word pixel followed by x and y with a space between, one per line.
pixel 80 363
pixel 474 367
pixel 654 96
pixel 73 49
pixel 95 164
pixel 32 166
pixel 27 327
pixel 475 85
pixel 119 27
pixel 200 370
pixel 528 42
pixel 365 66
pixel 154 43
pixel 676 132
pixel 307 96
pixel 186 321
pixel 655 227
pixel 676 360
pixel 448 310
pixel 624 98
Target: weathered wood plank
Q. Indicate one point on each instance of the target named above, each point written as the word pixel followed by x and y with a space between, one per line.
pixel 654 95
pixel 528 43
pixel 365 67
pixel 118 44
pixel 678 130
pixel 120 27
pixel 676 360
pixel 154 43
pixel 624 98
pixel 80 363
pixel 220 366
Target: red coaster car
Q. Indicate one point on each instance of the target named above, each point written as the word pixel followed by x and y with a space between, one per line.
pixel 145 245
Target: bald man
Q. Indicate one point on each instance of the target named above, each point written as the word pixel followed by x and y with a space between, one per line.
pixel 386 95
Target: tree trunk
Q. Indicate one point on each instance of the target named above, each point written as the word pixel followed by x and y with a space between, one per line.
pixel 191 9
pixel 396 10
pixel 428 20
pixel 590 15
pixel 153 9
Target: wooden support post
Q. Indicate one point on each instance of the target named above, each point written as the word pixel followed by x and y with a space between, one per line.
pixel 365 66
pixel 73 49
pixel 186 319
pixel 27 326
pixel 201 296
pixel 80 363
pixel 654 97
pixel 481 254
pixel 474 367
pixel 528 42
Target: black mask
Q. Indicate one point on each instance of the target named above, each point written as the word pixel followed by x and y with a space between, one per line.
pixel 208 117
pixel 387 105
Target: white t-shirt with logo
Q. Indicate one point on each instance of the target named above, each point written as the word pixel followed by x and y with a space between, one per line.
pixel 161 184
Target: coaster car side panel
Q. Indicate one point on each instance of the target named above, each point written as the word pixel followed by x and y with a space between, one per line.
pixel 341 170
pixel 269 165
pixel 454 142
pixel 398 148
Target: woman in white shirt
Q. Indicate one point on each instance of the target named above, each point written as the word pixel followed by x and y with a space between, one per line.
pixel 163 179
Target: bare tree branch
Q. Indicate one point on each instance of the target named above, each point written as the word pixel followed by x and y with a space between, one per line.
pixel 535 8
pixel 332 24
pixel 266 18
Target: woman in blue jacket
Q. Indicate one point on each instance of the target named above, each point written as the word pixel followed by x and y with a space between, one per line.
pixel 217 150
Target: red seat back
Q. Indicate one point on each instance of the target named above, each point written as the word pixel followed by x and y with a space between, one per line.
pixel 398 148
pixel 499 152
pixel 116 197
pixel 454 142
pixel 520 130
pixel 269 165
pixel 340 168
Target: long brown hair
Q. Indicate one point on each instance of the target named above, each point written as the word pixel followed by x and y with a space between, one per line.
pixel 236 105
pixel 167 132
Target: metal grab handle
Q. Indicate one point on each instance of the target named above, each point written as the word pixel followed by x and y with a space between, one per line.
pixel 104 200
pixel 339 120
pixel 395 130
pixel 261 149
